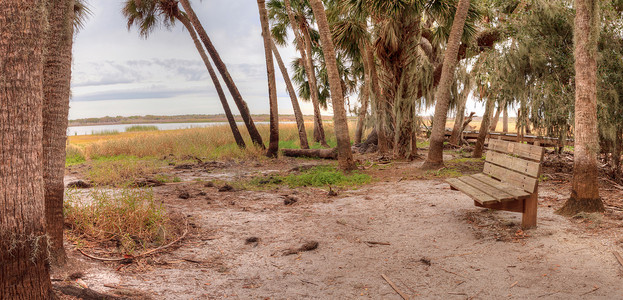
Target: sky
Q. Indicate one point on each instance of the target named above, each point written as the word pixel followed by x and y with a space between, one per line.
pixel 118 73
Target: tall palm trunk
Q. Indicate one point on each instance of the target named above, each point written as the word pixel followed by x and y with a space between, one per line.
pixel 460 116
pixel 56 91
pixel 319 134
pixel 222 68
pixel 345 155
pixel 484 129
pixel 435 152
pixel 365 96
pixel 219 89
pixel 584 187
pixel 309 71
pixel 273 145
pixel 24 272
pixel 381 103
pixel 298 115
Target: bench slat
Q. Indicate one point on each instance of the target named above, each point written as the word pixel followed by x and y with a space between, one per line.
pixel 530 168
pixel 519 180
pixel 519 193
pixel 494 192
pixel 522 150
pixel 475 193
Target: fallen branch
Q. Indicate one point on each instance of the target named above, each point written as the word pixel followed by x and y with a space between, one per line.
pixel 150 252
pixel 313 153
pixel 594 289
pixel 404 296
pixel 377 243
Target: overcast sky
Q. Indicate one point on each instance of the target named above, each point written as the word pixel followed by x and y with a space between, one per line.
pixel 117 73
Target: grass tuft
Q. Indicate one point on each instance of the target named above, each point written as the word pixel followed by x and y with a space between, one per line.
pixel 138 128
pixel 320 176
pixel 120 170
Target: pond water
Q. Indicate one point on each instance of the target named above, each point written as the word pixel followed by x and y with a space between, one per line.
pixel 95 129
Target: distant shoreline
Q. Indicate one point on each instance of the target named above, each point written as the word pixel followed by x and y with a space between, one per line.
pixel 182 119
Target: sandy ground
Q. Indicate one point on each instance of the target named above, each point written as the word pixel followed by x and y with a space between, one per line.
pixel 430 241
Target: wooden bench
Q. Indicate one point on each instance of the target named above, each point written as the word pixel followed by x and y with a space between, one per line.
pixel 509 181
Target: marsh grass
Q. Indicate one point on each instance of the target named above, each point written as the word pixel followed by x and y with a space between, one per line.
pixel 135 128
pixel 74 155
pixel 105 132
pixel 320 176
pixel 120 170
pixel 129 219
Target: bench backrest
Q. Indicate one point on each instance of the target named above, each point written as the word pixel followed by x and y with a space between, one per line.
pixel 514 163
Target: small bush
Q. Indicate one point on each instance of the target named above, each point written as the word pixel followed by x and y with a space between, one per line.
pixel 136 128
pixel 130 218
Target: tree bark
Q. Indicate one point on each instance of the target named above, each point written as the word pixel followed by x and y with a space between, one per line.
pixel 505 120
pixel 222 68
pixel 345 155
pixel 56 91
pixel 219 89
pixel 435 152
pixel 365 96
pixel 496 118
pixel 24 272
pixel 484 129
pixel 273 145
pixel 457 129
pixel 381 103
pixel 585 187
pixel 298 115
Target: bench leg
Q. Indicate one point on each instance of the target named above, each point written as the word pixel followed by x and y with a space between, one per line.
pixel 528 219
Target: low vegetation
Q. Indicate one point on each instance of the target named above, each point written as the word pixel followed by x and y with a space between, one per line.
pixel 320 176
pixel 135 128
pixel 120 170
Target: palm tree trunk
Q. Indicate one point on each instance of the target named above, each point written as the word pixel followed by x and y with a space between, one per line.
pixel 219 89
pixel 273 145
pixel 298 115
pixel 222 68
pixel 381 103
pixel 345 155
pixel 458 121
pixel 319 134
pixel 56 91
pixel 496 118
pixel 584 186
pixel 435 152
pixel 365 96
pixel 309 70
pixel 484 129
pixel 505 120
pixel 24 272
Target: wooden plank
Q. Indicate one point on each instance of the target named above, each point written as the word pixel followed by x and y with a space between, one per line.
pixel 522 150
pixel 514 206
pixel 528 219
pixel 494 192
pixel 475 193
pixel 516 192
pixel 530 168
pixel 513 178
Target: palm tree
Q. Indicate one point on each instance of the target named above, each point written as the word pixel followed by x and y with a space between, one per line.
pixel 56 91
pixel 345 156
pixel 298 114
pixel 24 271
pixel 305 49
pixel 222 68
pixel 435 152
pixel 273 146
pixel 585 188
pixel 147 14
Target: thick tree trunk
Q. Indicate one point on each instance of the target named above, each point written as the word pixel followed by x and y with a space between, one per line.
pixel 219 89
pixel 311 153
pixel 345 155
pixel 585 187
pixel 365 96
pixel 273 145
pixel 311 76
pixel 435 152
pixel 505 120
pixel 484 129
pixel 222 68
pixel 56 91
pixel 298 115
pixel 496 119
pixel 24 272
